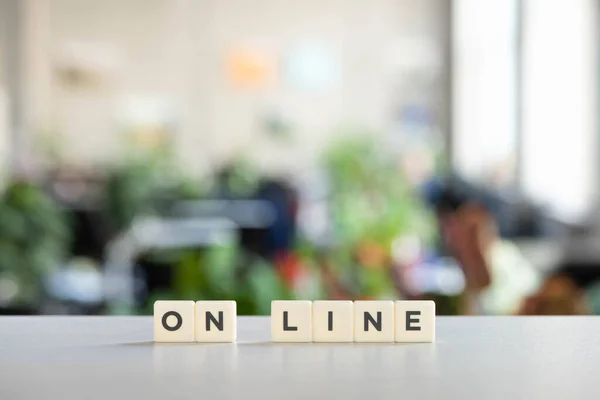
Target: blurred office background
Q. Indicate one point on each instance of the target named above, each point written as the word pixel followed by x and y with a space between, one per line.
pixel 319 149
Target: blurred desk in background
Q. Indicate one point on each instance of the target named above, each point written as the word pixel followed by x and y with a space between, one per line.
pixel 473 358
pixel 577 258
pixel 544 255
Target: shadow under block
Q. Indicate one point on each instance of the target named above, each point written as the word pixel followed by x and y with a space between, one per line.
pixel 332 321
pixel 291 321
pixel 415 321
pixel 373 321
pixel 174 321
pixel 216 321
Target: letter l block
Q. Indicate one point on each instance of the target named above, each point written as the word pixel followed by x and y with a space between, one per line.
pixel 291 321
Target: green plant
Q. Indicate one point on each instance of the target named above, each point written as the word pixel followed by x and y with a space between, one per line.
pixel 239 178
pixel 372 205
pixel 216 274
pixel 34 239
pixel 143 186
pixel 370 196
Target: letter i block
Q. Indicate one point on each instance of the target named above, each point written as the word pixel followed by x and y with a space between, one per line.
pixel 415 321
pixel 333 321
pixel 291 321
pixel 216 321
pixel 174 321
pixel 373 321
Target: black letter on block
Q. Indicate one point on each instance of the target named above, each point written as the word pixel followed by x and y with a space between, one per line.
pixel 330 321
pixel 376 324
pixel 410 320
pixel 285 323
pixel 210 317
pixel 177 325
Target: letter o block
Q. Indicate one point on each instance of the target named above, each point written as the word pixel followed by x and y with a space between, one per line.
pixel 174 321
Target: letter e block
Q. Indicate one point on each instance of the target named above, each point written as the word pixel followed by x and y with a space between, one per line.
pixel 415 321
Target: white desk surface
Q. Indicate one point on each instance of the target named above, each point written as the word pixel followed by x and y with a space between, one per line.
pixel 88 358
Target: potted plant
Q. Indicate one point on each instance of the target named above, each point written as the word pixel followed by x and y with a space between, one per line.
pixel 34 240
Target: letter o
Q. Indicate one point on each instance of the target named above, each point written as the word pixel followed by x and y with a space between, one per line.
pixel 177 325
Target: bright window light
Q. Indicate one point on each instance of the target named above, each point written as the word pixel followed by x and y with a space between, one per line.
pixel 484 89
pixel 559 88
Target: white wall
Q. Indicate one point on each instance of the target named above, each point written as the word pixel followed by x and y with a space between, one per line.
pixel 4 142
pixel 3 130
pixel 177 48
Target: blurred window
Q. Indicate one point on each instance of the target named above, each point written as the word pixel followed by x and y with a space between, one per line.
pixel 559 89
pixel 484 90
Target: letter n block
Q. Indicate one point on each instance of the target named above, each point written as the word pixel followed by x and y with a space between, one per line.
pixel 216 321
pixel 373 321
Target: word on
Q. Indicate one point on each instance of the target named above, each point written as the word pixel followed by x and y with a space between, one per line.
pixel 300 321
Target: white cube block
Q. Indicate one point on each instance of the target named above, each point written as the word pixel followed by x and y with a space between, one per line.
pixel 216 321
pixel 291 321
pixel 373 321
pixel 415 321
pixel 332 321
pixel 174 321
